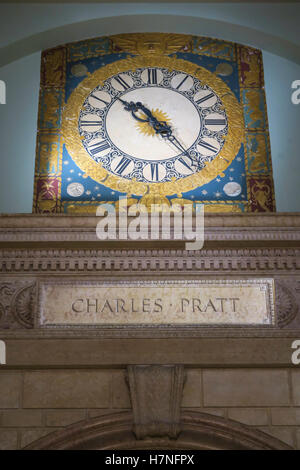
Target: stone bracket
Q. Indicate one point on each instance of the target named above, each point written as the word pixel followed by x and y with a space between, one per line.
pixel 156 394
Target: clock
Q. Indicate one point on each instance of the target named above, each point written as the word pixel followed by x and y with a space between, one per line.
pixel 158 118
pixel 127 143
pixel 152 125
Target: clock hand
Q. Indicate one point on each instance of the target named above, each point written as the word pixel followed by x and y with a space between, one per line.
pixel 173 140
pixel 160 127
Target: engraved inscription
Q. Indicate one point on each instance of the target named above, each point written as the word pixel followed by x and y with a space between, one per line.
pixel 157 303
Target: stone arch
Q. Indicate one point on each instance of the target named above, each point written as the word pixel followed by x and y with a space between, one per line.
pixel 199 431
pixel 145 23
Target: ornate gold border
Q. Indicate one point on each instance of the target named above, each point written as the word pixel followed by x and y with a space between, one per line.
pixel 74 145
pixel 40 132
pixel 264 130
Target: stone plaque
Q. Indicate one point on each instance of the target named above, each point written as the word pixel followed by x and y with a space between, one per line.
pixel 189 302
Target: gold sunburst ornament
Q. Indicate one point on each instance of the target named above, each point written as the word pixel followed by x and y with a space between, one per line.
pixel 145 128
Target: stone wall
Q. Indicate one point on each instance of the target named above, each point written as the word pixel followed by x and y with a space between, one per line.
pixel 35 403
pixel 56 377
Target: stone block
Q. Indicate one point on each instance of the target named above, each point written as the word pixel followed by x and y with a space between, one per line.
pixel 100 412
pixel 120 390
pixel 251 416
pixel 245 387
pixel 192 389
pixel 10 389
pixel 22 418
pixel 30 435
pixel 8 439
pixel 64 417
pixel 67 389
pixel 298 438
pixel 285 416
pixel 296 386
pixel 284 434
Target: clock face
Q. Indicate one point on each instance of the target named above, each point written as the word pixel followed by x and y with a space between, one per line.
pixel 110 117
pixel 126 144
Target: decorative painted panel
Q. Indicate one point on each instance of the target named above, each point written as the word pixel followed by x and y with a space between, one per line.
pixel 158 118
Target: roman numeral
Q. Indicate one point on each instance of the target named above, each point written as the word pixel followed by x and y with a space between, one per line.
pixel 205 98
pixel 182 82
pixel 152 76
pixel 99 147
pixel 208 146
pixel 122 165
pixel 154 171
pixel 99 99
pixel 90 123
pixel 122 82
pixel 215 122
pixel 185 163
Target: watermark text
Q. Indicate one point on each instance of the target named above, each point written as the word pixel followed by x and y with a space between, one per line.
pixel 159 222
pixel 2 92
pixel 296 354
pixel 2 352
pixel 296 94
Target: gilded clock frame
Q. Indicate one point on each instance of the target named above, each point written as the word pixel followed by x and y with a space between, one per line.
pixel 73 140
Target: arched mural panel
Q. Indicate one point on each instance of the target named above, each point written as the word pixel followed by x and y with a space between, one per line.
pixel 155 118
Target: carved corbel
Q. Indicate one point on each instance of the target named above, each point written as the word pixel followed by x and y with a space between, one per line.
pixel 156 394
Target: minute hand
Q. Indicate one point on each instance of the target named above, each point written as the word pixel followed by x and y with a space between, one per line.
pixel 160 127
pixel 173 140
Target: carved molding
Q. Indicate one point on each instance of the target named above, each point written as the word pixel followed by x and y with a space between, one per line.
pixel 200 431
pixel 6 292
pixel 218 227
pixel 157 332
pixel 17 304
pixel 23 306
pixel 156 393
pixel 163 261
pixel 286 302
pixel 85 235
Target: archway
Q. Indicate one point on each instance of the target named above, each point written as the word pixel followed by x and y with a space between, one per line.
pixel 145 23
pixel 200 431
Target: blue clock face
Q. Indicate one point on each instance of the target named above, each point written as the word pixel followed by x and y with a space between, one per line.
pixel 153 124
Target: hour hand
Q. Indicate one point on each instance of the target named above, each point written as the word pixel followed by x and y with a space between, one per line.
pixel 130 105
pixel 135 107
pixel 160 127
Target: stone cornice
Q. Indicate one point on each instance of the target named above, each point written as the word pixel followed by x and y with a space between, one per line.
pixel 282 227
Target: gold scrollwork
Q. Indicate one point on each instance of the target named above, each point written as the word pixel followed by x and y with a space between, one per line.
pixel 152 43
